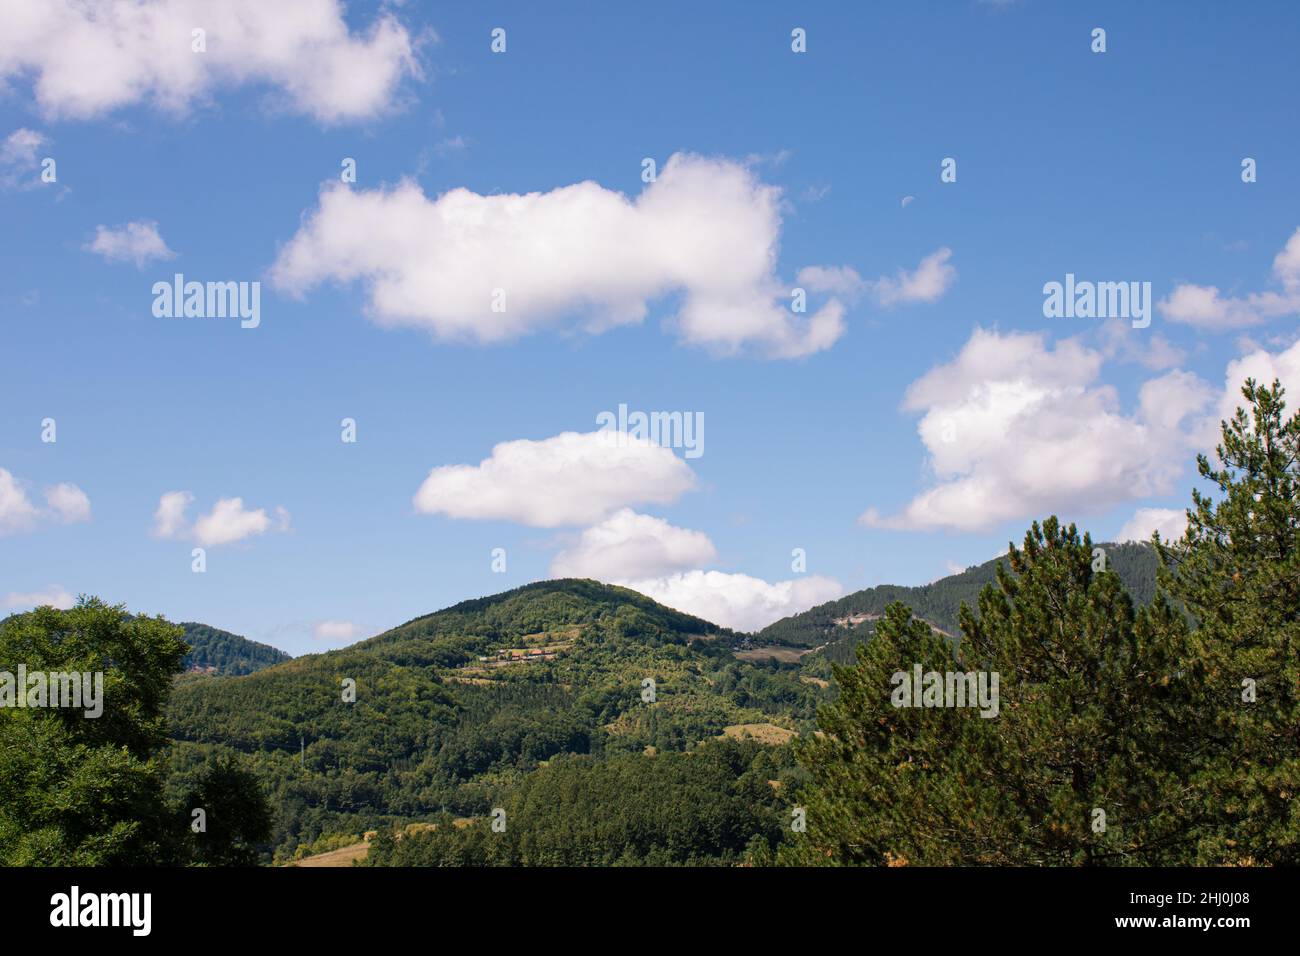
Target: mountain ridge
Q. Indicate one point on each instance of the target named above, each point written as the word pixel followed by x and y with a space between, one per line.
pixel 938 602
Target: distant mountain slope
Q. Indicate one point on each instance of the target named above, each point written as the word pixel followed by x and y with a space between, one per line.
pixel 939 602
pixel 214 651
pixel 453 708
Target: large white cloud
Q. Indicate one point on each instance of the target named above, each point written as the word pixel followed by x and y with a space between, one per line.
pixel 227 522
pixel 570 479
pixel 577 256
pixel 65 504
pixel 630 545
pixel 1263 366
pixel 86 58
pixel 136 242
pixel 738 601
pixel 1205 307
pixel 1015 429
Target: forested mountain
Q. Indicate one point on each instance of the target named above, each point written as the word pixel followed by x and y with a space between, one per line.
pixel 214 651
pixel 492 701
pixel 455 710
pixel 940 601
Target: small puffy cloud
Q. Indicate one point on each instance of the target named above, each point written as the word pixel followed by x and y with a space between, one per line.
pixel 19 147
pixel 570 479
pixel 490 268
pixel 17 513
pixel 54 595
pixel 1204 306
pixel 1170 522
pixel 630 545
pixel 87 58
pixel 1015 429
pixel 19 165
pixel 334 631
pixel 65 504
pixel 927 283
pixel 137 242
pixel 451 145
pixel 227 522
pixel 737 601
pixel 169 519
pixel 840 280
pixel 68 503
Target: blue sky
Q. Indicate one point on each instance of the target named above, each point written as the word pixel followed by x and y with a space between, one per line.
pixel 1115 166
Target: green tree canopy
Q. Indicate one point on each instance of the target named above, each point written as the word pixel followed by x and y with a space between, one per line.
pixel 79 790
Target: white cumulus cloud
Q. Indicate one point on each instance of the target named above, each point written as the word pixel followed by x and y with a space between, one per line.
pixel 926 283
pixel 492 268
pixel 1263 366
pixel 738 601
pixel 1015 429
pixel 570 479
pixel 18 158
pixel 227 522
pixel 137 242
pixel 87 58
pixel 68 503
pixel 630 545
pixel 1204 306
pixel 169 519
pixel 17 513
pixel 65 504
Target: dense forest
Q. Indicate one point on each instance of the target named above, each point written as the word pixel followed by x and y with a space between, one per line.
pixel 214 651
pixel 710 806
pixel 454 709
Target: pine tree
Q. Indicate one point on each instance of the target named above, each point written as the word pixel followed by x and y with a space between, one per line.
pixel 1237 572
pixel 1083 764
pixel 892 785
pixel 1094 740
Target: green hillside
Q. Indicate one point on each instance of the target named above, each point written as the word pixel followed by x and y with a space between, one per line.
pixel 454 710
pixel 491 701
pixel 214 651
